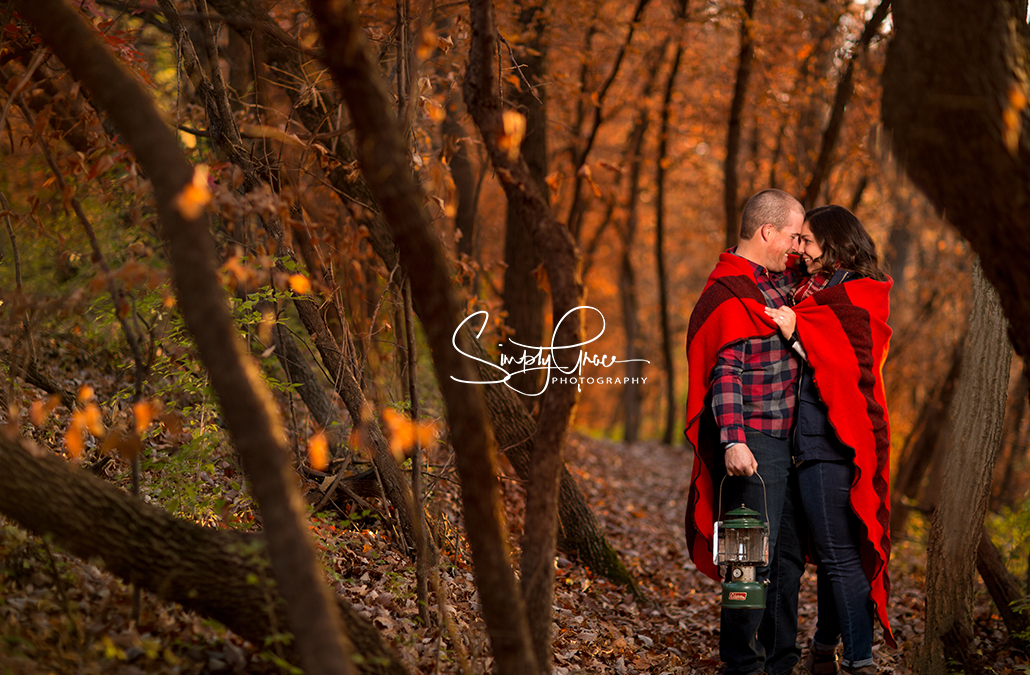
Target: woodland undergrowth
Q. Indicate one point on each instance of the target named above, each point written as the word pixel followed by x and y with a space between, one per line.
pixel 62 615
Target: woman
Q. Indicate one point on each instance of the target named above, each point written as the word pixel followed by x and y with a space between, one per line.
pixel 842 439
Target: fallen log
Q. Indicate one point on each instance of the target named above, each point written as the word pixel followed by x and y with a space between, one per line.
pixel 221 574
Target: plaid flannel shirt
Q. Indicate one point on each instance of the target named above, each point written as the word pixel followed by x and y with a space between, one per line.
pixel 812 284
pixel 753 381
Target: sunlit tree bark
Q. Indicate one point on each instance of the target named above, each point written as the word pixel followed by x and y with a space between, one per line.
pixel 1015 438
pixel 978 415
pixel 465 187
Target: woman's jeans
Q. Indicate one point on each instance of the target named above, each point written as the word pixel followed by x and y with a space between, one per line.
pixel 825 487
pixel 755 640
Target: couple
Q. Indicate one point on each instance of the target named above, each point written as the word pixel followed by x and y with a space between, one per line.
pixel 786 382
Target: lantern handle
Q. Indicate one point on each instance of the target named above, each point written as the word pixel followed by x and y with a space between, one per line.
pixel 765 497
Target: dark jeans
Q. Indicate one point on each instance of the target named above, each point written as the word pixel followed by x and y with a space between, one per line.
pixel 755 640
pixel 825 487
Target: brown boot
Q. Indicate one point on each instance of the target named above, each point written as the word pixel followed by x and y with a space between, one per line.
pixel 862 670
pixel 821 662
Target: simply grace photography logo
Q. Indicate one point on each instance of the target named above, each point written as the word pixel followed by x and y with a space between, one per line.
pixel 535 358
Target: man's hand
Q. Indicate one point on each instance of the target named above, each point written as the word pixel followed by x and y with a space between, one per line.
pixel 740 461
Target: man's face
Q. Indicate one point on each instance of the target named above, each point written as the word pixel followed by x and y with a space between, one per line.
pixel 781 243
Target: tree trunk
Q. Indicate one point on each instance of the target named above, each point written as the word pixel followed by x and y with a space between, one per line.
pixel 858 193
pixel 978 415
pixel 425 553
pixel 730 180
pixel 955 92
pixel 597 99
pixel 241 74
pixel 1001 584
pixel 245 401
pixel 579 533
pixel 921 448
pixel 384 161
pixel 320 405
pixel 1012 441
pixel 899 246
pixel 562 263
pixel 668 364
pixel 523 297
pixel 631 326
pixel 206 570
pixel 461 173
pixel 627 274
pixel 1007 493
pixel 340 361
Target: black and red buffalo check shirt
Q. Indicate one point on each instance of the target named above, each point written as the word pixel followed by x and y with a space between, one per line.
pixel 754 381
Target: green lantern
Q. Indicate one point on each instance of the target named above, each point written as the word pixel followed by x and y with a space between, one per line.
pixel 742 546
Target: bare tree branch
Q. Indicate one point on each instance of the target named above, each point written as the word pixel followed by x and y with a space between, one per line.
pixel 845 87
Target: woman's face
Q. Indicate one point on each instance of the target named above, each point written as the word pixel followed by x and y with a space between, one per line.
pixel 811 251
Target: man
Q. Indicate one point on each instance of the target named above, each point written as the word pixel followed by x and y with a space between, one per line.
pixel 740 408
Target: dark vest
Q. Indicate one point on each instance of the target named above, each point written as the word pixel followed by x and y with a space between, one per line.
pixel 814 437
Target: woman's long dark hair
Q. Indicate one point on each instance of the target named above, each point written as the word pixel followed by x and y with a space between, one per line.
pixel 844 240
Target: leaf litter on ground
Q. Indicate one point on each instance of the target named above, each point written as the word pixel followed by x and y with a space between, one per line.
pixel 79 619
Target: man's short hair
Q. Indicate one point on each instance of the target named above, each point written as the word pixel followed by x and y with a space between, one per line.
pixel 768 206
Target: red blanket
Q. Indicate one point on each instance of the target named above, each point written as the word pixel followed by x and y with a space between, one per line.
pixel 730 309
pixel 844 330
pixel 845 333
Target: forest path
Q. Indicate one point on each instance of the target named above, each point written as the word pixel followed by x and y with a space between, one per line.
pixel 639 492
